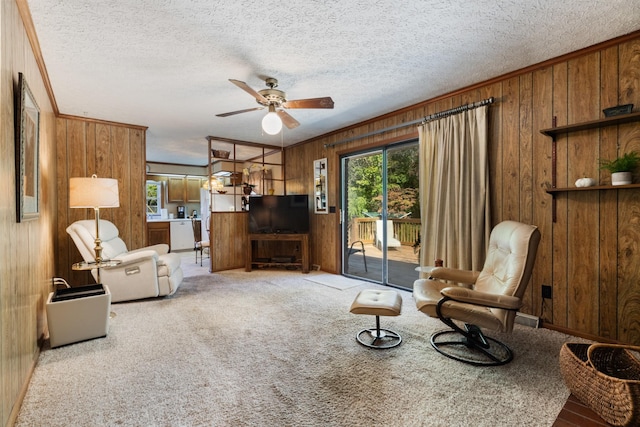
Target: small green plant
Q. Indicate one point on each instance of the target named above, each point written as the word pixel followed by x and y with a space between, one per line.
pixel 625 163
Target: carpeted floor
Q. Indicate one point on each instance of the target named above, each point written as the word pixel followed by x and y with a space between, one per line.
pixel 269 348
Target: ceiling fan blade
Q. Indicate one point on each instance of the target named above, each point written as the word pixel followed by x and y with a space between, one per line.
pixel 288 121
pixel 238 112
pixel 325 102
pixel 249 90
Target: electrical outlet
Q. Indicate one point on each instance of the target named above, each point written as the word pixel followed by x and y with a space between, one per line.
pixel 547 292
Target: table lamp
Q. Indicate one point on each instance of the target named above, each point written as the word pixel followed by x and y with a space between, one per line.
pixel 94 193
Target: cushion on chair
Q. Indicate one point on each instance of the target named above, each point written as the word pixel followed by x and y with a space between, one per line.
pixel 112 245
pixel 506 258
pixel 426 293
pixel 377 303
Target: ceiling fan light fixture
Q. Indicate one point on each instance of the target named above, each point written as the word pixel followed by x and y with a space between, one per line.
pixel 271 123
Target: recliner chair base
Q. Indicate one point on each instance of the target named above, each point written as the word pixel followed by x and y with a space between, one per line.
pixel 472 347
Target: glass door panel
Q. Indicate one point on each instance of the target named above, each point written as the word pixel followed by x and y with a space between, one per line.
pixel 403 215
pixel 362 203
pixel 381 215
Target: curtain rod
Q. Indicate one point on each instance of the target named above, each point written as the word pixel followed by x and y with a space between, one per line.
pixel 415 122
pixel 457 110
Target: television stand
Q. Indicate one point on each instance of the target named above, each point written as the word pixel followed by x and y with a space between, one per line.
pixel 303 238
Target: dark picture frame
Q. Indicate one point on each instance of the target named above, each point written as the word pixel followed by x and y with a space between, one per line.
pixel 27 153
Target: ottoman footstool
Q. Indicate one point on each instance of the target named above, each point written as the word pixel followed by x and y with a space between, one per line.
pixel 378 303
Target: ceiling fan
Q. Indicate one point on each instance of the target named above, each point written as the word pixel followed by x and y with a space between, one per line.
pixel 275 99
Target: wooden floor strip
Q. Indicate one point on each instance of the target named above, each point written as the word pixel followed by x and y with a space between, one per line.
pixel 576 414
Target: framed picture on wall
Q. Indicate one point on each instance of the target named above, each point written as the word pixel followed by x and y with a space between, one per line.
pixel 27 153
pixel 320 186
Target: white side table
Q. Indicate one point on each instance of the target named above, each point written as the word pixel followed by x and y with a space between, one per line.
pixel 80 314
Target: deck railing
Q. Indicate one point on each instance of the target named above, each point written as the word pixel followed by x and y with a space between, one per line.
pixel 406 230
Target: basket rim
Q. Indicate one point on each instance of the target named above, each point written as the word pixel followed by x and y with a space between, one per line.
pixel 593 346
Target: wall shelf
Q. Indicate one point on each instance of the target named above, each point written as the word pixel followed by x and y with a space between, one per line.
pixel 607 121
pixel 576 127
pixel 554 191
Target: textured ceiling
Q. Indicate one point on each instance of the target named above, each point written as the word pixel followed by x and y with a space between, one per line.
pixel 165 64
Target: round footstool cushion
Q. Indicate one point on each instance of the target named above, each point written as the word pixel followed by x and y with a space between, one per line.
pixel 377 302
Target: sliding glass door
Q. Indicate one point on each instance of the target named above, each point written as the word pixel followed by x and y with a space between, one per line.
pixel 381 216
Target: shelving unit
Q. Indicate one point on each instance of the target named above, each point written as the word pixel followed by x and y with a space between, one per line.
pixel 553 132
pixel 264 160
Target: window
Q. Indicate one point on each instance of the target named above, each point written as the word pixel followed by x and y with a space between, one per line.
pixel 154 191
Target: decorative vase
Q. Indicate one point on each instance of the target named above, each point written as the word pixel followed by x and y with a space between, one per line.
pixel 621 178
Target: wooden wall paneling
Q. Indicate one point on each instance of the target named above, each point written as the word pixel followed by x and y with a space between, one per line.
pixel 582 230
pixel 628 288
pixel 542 215
pixel 629 204
pixel 526 149
pixel 138 195
pixel 231 229
pixel 630 73
pixel 120 149
pixel 496 144
pixel 91 138
pixel 78 149
pixel 525 184
pixel 62 243
pixel 104 150
pixel 510 151
pixel 559 228
pixel 608 207
pixel 28 248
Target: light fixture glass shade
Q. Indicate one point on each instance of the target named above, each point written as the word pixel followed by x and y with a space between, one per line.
pixel 93 192
pixel 271 123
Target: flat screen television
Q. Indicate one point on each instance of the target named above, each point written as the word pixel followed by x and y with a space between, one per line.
pixel 279 214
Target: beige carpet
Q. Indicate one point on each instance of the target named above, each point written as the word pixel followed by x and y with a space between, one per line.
pixel 270 348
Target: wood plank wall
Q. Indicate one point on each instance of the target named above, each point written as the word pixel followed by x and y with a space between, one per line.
pixel 109 150
pixel 591 254
pixel 27 248
pixel 228 232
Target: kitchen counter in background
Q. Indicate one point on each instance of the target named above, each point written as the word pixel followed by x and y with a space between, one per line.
pixel 172 220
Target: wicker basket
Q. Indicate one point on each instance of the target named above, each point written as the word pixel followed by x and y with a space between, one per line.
pixel 606 378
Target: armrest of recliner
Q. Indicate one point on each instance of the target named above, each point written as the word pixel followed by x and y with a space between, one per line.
pixel 454 275
pixel 135 256
pixel 484 299
pixel 160 248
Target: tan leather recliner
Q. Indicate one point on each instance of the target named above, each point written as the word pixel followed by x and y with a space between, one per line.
pixel 481 299
pixel 143 273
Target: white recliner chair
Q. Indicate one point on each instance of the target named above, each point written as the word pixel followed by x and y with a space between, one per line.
pixel 143 273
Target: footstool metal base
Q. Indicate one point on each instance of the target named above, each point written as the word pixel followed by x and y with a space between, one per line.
pixel 378 337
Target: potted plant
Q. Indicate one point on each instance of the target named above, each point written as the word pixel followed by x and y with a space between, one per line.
pixel 621 167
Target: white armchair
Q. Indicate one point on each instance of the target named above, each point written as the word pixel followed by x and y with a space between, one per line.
pixel 143 273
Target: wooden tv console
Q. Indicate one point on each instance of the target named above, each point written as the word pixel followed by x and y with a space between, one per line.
pixel 303 238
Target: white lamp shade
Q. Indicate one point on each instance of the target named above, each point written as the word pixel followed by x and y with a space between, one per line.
pixel 93 192
pixel 271 123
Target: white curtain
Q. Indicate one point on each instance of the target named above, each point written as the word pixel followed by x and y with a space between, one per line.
pixel 454 190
